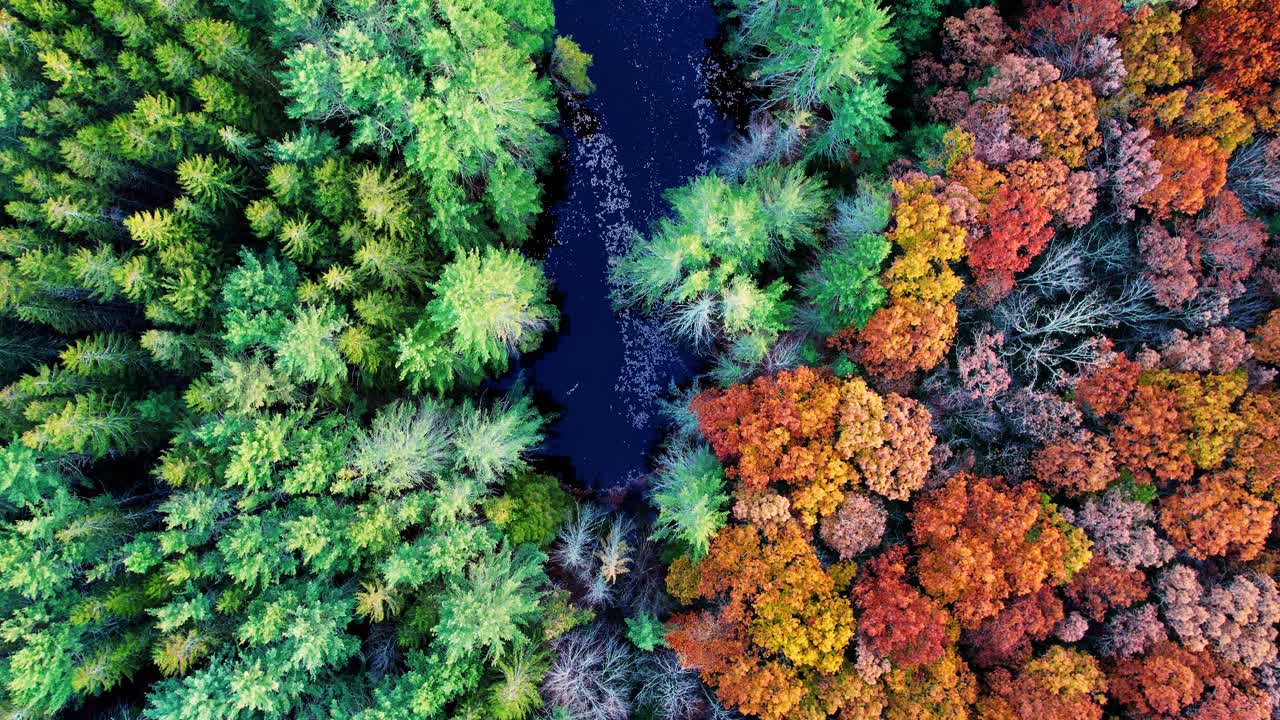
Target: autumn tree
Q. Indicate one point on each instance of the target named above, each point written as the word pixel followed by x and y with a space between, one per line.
pixel 1216 516
pixel 906 336
pixel 1234 617
pixel 1062 683
pixel 778 603
pixel 1131 166
pixel 816 435
pixel 945 690
pixel 1017 231
pixel 1161 682
pixel 898 621
pixel 1005 639
pixel 1258 445
pixel 1075 464
pixel 1062 116
pixel 1154 51
pixel 1123 528
pixel 1102 586
pixel 856 527
pixel 1233 39
pixel 1219 350
pixel 1063 31
pixel 1193 169
pixel 914 330
pixel 1150 438
pixel 974 522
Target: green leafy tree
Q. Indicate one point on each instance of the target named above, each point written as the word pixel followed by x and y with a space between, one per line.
pixel 703 267
pixel 831 57
pixel 515 695
pixel 219 218
pixel 646 632
pixel 491 608
pixel 844 287
pixel 73 625
pixel 470 109
pixel 486 307
pixel 572 65
pixel 689 492
pixel 531 509
pixel 308 349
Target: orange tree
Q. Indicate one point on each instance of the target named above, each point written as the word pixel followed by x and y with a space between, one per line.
pixel 982 542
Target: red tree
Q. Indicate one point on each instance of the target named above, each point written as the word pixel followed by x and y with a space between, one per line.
pixel 898 621
pixel 1236 40
pixel 1163 682
pixel 1169 267
pixel 1018 231
pixel 1076 464
pixel 1006 638
pixel 1106 386
pixel 1231 242
pixel 1102 586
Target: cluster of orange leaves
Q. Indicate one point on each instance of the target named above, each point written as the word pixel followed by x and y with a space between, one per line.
pixel 817 436
pixel 1063 116
pixel 1169 678
pixel 776 640
pixel 1203 438
pixel 778 629
pixel 1235 40
pixel 982 542
pixel 1195 132
pixel 1232 46
pixel 775 645
pixel 1075 464
pixel 781 628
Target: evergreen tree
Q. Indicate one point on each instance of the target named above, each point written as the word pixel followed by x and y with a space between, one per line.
pixel 213 240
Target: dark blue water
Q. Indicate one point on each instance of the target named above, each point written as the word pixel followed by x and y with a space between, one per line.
pixel 654 129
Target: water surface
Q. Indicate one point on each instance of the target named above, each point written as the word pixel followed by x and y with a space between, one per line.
pixel 653 128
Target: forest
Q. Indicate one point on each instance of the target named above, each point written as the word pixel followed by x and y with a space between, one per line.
pixel 982 301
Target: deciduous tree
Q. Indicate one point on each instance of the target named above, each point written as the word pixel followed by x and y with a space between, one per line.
pixel 1217 517
pixel 898 621
pixel 1019 544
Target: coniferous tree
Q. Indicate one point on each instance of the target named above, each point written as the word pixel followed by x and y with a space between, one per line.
pixel 206 262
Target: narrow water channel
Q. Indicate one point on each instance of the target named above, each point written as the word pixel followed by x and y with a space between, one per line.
pixel 653 129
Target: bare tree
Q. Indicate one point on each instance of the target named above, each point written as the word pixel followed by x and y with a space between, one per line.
pixel 591 674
